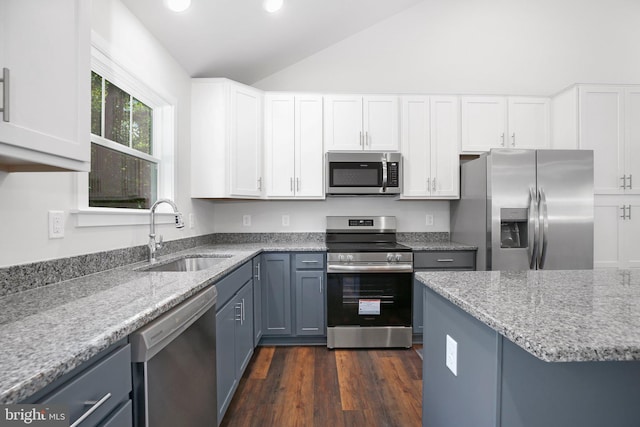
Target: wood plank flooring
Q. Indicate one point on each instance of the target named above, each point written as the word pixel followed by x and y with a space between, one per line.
pixel 314 386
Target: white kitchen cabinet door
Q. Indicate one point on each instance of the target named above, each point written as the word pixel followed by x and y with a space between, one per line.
pixel 279 134
pixel 430 140
pixel 528 122
pixel 246 141
pixel 416 147
pixel 343 122
pixel 309 151
pixel 226 139
pixel 616 231
pixel 445 162
pixel 607 226
pixel 632 141
pixel 381 123
pixel 45 46
pixel 294 155
pixel 601 130
pixel 484 123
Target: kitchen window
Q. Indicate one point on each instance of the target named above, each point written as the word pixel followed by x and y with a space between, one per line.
pixel 124 170
pixel 132 145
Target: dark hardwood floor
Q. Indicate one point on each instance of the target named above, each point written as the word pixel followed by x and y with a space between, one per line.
pixel 314 386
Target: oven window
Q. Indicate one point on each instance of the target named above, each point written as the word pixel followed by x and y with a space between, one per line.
pixel 352 174
pixel 369 299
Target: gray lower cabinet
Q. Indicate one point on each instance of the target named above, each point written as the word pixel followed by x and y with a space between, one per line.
pixel 310 303
pixel 295 309
pixel 102 384
pixel 436 261
pixel 234 334
pixel 276 294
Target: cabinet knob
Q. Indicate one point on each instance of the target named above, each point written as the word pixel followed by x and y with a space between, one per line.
pixel 513 139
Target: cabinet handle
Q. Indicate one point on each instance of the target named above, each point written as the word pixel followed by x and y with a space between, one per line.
pixel 366 138
pixel 513 139
pixel 630 183
pixel 260 184
pixel 242 310
pixel 624 181
pixel 257 276
pixel 629 216
pixel 361 143
pixel 309 262
pixel 502 138
pixel 238 315
pixel 291 184
pixel 95 405
pixel 5 94
pixel 433 185
pixel 428 183
pixel 297 184
pixel 320 284
pixel 445 260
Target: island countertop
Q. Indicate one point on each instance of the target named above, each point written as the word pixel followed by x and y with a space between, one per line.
pixel 558 316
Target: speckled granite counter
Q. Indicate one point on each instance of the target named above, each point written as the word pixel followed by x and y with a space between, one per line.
pixel 48 331
pixel 558 316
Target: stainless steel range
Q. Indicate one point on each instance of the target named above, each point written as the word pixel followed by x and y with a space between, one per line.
pixel 369 283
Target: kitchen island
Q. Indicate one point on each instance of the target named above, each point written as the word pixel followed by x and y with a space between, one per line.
pixel 533 348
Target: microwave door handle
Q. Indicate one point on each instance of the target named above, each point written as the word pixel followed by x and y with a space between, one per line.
pixel 384 174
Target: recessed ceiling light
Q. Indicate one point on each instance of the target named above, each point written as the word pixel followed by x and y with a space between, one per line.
pixel 272 6
pixel 178 5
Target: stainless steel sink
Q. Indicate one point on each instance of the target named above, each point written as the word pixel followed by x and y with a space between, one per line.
pixel 192 263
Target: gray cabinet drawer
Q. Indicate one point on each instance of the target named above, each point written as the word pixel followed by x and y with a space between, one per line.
pixel 123 417
pixel 442 260
pixel 309 261
pixel 111 375
pixel 228 286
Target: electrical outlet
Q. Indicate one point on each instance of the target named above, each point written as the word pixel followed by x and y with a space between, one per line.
pixel 285 220
pixel 56 224
pixel 429 219
pixel 246 220
pixel 192 220
pixel 452 355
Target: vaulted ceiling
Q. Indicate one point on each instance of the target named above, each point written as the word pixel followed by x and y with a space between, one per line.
pixel 238 39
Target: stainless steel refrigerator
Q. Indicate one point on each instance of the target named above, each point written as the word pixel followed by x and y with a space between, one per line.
pixel 527 209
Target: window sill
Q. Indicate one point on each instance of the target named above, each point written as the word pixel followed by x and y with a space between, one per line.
pixel 105 217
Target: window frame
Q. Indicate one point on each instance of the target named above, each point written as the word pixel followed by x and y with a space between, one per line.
pixel 163 131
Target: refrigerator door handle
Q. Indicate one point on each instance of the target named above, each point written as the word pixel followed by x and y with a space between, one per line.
pixel 534 228
pixel 544 216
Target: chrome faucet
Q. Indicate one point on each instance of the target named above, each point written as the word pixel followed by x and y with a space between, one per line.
pixel 155 244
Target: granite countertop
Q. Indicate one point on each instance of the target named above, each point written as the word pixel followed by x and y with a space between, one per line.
pixel 558 316
pixel 48 331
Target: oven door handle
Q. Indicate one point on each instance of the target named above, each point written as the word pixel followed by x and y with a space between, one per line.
pixel 391 268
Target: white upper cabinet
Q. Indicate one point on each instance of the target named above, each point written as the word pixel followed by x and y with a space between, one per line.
pixel 226 139
pixel 45 50
pixel 430 139
pixel 294 161
pixel 356 122
pixel 504 122
pixel 605 119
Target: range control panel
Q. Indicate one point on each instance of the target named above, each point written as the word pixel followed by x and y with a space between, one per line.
pixel 360 223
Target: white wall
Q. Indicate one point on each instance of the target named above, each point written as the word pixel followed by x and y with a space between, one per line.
pixel 266 216
pixel 535 47
pixel 26 198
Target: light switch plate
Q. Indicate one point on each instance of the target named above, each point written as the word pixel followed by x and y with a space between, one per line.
pixel 429 219
pixel 285 220
pixel 246 220
pixel 452 355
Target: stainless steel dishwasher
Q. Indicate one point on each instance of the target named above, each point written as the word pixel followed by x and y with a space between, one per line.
pixel 174 366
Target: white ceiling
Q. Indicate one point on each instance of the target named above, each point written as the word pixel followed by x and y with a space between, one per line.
pixel 238 39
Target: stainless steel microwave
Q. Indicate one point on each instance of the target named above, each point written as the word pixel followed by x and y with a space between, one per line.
pixel 363 172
